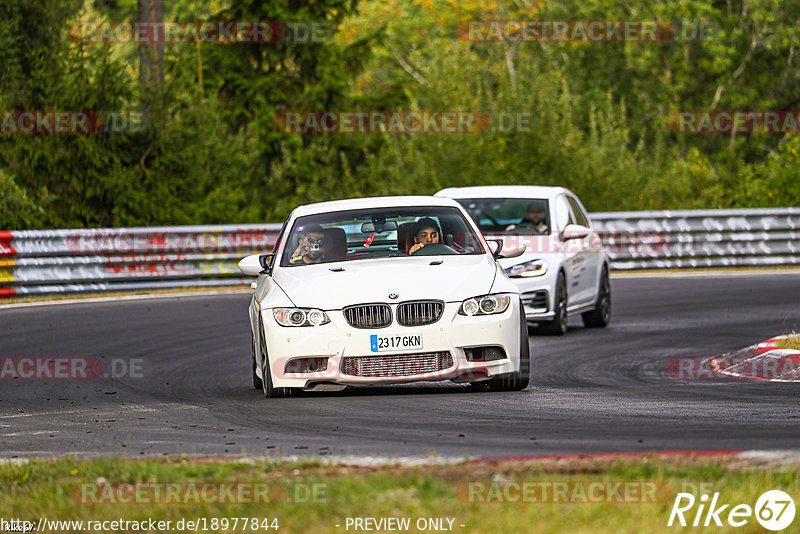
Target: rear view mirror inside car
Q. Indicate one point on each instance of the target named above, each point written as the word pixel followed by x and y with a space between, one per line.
pixel 388 226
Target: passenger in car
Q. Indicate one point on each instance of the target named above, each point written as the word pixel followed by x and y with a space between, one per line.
pixel 309 250
pixel 535 218
pixel 426 232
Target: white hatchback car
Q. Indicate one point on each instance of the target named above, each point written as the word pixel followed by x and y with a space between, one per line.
pixel 384 290
pixel 564 268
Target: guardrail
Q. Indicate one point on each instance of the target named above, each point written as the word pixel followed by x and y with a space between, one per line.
pixel 700 238
pixel 124 259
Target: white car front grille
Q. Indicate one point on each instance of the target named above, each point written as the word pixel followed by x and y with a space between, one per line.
pixel 368 315
pixel 420 312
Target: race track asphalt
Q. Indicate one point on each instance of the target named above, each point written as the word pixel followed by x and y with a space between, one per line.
pixel 592 390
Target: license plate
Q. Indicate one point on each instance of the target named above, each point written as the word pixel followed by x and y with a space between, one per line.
pixel 402 342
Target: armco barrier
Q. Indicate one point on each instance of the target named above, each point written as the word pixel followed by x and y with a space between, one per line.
pixel 700 238
pixel 122 259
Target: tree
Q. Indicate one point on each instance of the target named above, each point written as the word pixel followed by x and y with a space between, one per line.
pixel 151 54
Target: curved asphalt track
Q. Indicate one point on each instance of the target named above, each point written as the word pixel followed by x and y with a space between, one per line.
pixel 592 390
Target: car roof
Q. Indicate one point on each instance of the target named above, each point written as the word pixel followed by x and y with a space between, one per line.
pixel 373 202
pixel 504 191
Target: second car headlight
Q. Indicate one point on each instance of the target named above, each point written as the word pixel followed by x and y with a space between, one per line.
pixel 300 316
pixel 527 269
pixel 485 305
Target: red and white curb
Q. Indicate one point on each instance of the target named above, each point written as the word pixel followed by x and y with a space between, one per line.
pixel 762 361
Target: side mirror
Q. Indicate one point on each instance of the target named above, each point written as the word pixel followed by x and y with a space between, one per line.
pixel 256 264
pixel 496 246
pixel 574 231
pixel 511 252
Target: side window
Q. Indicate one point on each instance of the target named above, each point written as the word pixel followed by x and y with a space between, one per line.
pixel 280 236
pixel 580 215
pixel 563 215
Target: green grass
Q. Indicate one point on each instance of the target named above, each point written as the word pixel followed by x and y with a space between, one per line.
pixel 792 342
pixel 52 489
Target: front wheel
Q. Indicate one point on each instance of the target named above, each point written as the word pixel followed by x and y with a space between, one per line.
pixel 257 382
pixel 270 391
pixel 558 326
pixel 520 379
pixel 600 316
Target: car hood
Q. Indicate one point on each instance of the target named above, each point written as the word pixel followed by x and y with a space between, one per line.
pixel 456 278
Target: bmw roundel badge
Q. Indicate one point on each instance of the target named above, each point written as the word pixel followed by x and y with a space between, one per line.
pixel 393 296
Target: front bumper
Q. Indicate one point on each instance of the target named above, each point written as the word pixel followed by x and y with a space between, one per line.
pixel 337 340
pixel 537 305
pixel 538 296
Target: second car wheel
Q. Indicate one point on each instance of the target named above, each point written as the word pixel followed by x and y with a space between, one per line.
pixel 558 326
pixel 600 316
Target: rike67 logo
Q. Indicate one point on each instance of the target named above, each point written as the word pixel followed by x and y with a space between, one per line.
pixel 774 510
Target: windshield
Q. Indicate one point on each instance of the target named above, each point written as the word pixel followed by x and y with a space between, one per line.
pixel 379 233
pixel 509 215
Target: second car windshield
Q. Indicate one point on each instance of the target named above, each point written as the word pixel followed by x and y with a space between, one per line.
pixel 514 215
pixel 379 233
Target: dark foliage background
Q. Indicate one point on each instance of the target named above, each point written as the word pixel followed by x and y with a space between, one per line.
pixel 211 153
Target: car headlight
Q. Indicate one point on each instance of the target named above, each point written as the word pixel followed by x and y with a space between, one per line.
pixel 527 269
pixel 300 316
pixel 485 305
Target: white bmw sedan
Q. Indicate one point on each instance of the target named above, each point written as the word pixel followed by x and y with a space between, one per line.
pixel 564 268
pixel 384 290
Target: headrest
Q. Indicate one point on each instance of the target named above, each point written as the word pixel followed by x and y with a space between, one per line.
pixel 465 242
pixel 405 236
pixel 335 246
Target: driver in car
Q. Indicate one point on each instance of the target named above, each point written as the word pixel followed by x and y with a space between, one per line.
pixel 309 250
pixel 426 232
pixel 534 218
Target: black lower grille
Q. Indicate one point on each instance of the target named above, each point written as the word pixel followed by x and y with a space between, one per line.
pixel 368 315
pixel 535 299
pixel 396 365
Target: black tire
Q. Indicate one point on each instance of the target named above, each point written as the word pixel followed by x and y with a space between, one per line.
pixel 600 316
pixel 270 391
pixel 520 379
pixel 558 326
pixel 257 383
